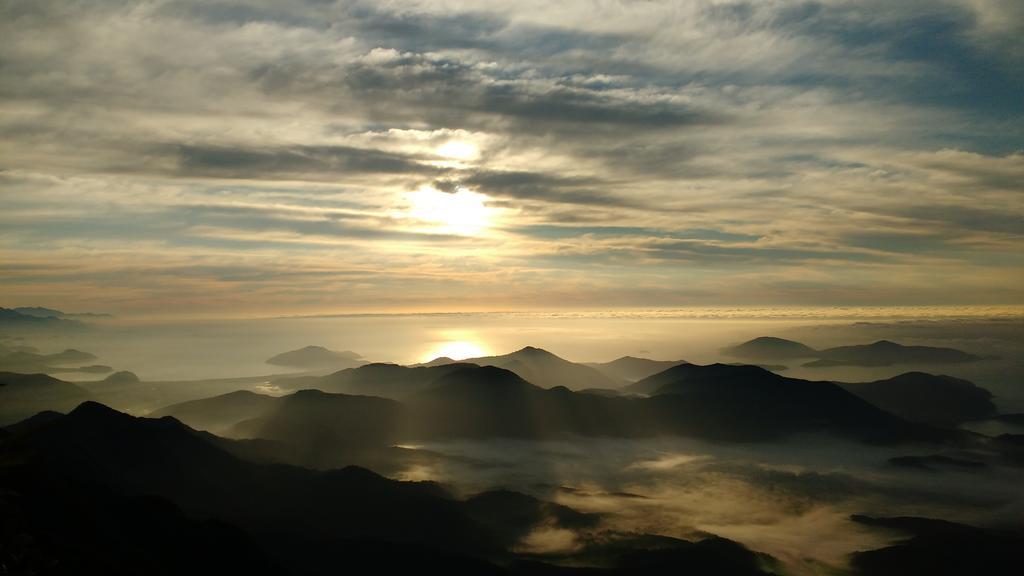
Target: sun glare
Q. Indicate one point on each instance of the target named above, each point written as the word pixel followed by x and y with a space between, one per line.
pixel 457 150
pixel 456 350
pixel 461 212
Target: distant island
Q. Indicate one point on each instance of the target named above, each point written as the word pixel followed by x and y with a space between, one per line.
pixel 317 357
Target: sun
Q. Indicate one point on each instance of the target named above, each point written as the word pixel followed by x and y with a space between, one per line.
pixel 458 150
pixel 456 350
pixel 461 212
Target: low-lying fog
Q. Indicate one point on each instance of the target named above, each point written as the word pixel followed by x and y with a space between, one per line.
pixel 792 500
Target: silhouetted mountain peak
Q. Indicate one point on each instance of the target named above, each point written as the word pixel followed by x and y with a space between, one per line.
pixel 439 361
pixel 94 410
pixel 885 344
pixel 96 416
pixel 534 352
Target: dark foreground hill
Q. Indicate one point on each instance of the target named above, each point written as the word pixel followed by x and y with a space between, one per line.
pixel 100 492
pixel 939 548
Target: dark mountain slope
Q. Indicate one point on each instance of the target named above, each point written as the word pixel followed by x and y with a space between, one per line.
pixel 927 398
pixel 100 492
pixel 631 368
pixel 939 548
pixel 322 430
pixel 724 402
pixel 220 413
pixel 94 445
pixel 750 403
pixel 22 395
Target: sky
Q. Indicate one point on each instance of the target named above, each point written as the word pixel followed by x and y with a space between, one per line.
pixel 266 157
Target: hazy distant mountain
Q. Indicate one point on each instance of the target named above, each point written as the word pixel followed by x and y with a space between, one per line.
pixel 886 353
pixel 70 356
pixel 631 368
pixel 90 369
pixel 122 378
pixel 384 380
pixel 220 413
pixel 769 347
pixel 15 319
pixel 317 357
pixel 100 491
pixel 24 361
pixel 920 397
pixel 547 370
pixel 881 353
pixel 22 395
pixel 40 312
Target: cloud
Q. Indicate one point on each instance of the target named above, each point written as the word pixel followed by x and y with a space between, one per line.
pixel 816 144
pixel 302 162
